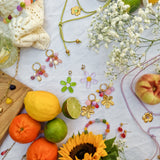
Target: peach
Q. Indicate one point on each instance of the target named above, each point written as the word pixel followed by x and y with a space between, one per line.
pixel 147 89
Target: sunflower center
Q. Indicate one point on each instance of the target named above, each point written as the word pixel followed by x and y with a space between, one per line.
pixel 89 79
pixel 80 150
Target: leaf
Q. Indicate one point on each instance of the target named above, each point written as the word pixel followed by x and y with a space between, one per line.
pixel 70 89
pixel 111 156
pixel 73 84
pixel 63 83
pixel 115 149
pixel 109 144
pixel 68 79
pixel 64 89
pixel 106 158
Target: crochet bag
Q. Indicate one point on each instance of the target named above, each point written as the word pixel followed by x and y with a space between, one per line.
pixel 26 29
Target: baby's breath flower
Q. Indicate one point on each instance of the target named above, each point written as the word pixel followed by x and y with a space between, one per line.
pixel 115 24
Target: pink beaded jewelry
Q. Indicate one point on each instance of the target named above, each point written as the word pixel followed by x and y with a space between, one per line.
pixel 17 11
pixel 107 130
pixel 39 70
pixel 105 89
pixel 52 58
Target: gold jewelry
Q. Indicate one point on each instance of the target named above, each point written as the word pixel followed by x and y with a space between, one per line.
pixel 9 83
pixel 5 96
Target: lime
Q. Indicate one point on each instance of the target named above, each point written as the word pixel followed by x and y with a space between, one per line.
pixel 55 130
pixel 71 108
pixel 134 4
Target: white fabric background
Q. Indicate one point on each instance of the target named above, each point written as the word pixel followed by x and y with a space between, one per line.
pixel 140 145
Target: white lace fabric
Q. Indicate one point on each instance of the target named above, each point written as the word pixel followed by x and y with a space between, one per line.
pixel 26 29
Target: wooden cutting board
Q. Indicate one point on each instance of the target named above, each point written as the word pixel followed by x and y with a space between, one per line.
pixel 10 110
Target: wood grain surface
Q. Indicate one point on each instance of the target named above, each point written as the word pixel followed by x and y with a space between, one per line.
pixel 10 110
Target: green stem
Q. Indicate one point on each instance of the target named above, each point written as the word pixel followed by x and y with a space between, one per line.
pixel 74 19
pixel 82 8
pixel 63 10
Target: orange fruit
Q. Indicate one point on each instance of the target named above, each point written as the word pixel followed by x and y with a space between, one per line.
pixel 41 149
pixel 24 129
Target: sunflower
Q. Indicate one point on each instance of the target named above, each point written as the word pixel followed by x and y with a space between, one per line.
pixel 83 147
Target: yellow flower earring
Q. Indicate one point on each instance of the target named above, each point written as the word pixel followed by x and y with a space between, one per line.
pixel 76 11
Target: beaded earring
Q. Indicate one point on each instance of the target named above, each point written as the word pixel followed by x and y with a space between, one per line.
pixel 91 103
pixel 39 70
pixel 123 135
pixel 89 78
pixel 52 58
pixel 104 91
pixel 122 132
pixel 68 84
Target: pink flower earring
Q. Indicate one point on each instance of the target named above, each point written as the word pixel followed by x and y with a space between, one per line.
pixel 88 78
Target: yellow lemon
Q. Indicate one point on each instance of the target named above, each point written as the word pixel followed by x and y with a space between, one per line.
pixel 41 105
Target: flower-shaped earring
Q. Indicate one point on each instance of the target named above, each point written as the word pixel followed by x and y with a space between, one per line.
pixel 52 58
pixel 68 84
pixel 76 11
pixel 91 105
pixel 107 101
pixel 147 117
pixel 89 78
pixel 39 70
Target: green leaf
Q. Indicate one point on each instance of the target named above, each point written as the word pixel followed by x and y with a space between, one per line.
pixel 111 156
pixel 70 89
pixel 64 89
pixel 63 83
pixel 115 149
pixel 109 144
pixel 68 79
pixel 73 84
pixel 106 158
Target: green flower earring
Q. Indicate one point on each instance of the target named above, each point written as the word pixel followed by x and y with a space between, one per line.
pixel 68 84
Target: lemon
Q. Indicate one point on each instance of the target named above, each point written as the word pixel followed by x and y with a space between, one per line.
pixel 41 105
pixel 55 130
pixel 134 4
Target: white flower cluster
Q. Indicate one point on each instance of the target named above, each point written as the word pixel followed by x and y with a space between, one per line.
pixel 121 144
pixel 115 24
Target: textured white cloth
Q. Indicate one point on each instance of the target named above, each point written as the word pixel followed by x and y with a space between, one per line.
pixel 26 29
pixel 140 146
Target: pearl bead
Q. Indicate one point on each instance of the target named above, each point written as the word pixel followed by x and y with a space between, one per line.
pixel 39 78
pixel 55 62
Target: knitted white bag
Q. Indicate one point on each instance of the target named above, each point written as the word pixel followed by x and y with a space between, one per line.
pixel 26 30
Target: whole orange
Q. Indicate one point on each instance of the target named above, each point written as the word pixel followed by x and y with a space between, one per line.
pixel 41 149
pixel 24 129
